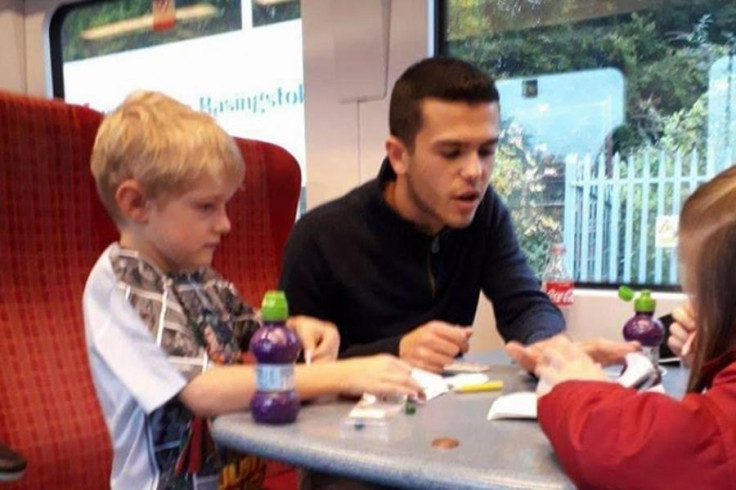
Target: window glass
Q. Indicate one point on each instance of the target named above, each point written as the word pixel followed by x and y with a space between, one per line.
pixel 205 53
pixel 113 26
pixel 267 12
pixel 613 111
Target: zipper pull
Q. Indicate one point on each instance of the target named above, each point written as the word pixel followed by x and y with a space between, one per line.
pixel 435 247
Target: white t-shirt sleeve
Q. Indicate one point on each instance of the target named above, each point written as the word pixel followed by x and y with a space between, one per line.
pixel 122 341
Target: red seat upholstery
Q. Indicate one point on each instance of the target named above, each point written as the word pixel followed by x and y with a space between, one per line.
pixel 262 215
pixel 52 229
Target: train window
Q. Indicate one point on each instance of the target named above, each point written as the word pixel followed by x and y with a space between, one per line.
pixel 612 112
pixel 253 86
pixel 267 12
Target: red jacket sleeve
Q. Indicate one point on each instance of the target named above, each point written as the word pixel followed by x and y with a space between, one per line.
pixel 607 436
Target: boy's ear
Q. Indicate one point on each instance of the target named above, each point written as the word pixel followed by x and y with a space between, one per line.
pixel 397 154
pixel 131 200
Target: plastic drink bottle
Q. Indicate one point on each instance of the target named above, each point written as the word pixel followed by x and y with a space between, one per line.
pixel 643 327
pixel 557 282
pixel 276 348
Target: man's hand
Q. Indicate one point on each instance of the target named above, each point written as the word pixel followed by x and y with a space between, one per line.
pixel 604 352
pixel 563 360
pixel 320 339
pixel 434 345
pixel 681 329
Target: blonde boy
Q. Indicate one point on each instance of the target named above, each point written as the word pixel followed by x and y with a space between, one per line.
pixel 158 318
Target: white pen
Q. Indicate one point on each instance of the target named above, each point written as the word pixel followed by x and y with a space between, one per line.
pixel 307 357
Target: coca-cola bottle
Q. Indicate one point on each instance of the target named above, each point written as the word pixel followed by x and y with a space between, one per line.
pixel 557 282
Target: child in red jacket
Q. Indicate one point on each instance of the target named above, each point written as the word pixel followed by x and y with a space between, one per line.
pixel 608 436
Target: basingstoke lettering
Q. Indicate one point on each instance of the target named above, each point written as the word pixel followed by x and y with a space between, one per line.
pixel 258 103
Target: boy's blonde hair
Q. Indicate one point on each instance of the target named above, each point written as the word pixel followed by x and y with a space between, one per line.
pixel 164 145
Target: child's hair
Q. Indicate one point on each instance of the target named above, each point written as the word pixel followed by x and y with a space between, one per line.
pixel 706 217
pixel 164 145
pixel 711 204
pixel 714 302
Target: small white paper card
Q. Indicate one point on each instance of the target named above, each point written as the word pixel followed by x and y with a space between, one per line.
pixel 371 407
pixel 432 384
pixel 466 367
pixel 435 385
pixel 520 405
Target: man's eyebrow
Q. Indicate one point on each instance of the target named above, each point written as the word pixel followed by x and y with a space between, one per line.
pixel 453 142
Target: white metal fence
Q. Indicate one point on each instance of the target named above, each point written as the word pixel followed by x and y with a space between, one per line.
pixel 611 207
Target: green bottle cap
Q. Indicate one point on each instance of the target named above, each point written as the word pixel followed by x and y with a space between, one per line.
pixel 644 302
pixel 274 306
pixel 626 294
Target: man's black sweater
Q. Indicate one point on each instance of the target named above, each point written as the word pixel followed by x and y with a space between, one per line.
pixel 354 261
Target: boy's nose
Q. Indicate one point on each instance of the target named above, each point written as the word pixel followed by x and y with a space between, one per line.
pixel 223 223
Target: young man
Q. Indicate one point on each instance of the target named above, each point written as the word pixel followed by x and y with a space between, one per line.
pixel 165 333
pixel 398 263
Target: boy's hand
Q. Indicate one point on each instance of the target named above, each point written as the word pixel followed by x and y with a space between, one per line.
pixel 320 339
pixel 681 329
pixel 434 345
pixel 564 360
pixel 382 375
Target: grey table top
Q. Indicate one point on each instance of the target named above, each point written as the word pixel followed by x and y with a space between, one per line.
pixel 500 454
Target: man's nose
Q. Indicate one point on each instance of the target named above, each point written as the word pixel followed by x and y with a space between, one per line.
pixel 473 167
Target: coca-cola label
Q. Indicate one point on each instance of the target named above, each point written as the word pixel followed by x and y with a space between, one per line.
pixel 561 293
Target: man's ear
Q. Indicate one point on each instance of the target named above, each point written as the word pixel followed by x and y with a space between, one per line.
pixel 397 155
pixel 131 200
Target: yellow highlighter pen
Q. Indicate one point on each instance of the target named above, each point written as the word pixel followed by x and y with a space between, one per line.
pixel 477 388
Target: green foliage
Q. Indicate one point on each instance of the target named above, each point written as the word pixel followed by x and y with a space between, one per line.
pixel 663 49
pixel 519 178
pixel 84 17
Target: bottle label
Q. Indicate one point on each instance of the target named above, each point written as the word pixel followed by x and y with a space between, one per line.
pixel 274 377
pixel 560 292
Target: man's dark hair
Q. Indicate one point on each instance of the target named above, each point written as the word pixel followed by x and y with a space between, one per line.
pixel 447 79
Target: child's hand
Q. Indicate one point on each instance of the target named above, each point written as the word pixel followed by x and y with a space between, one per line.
pixel 528 356
pixel 565 361
pixel 681 330
pixel 320 339
pixel 604 352
pixel 381 375
pixel 609 352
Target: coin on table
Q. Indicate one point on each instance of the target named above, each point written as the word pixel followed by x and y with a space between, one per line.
pixel 445 443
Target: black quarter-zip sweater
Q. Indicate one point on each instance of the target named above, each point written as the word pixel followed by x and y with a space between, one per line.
pixel 354 261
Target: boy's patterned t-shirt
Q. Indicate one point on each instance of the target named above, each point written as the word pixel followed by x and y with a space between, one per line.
pixel 198 319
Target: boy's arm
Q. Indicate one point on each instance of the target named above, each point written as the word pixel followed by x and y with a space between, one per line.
pixel 225 389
